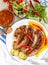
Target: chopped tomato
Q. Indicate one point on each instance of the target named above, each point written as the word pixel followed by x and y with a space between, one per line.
pixel 19 1
pixel 25 11
pixel 10 7
pixel 26 46
pixel 29 47
pixel 36 13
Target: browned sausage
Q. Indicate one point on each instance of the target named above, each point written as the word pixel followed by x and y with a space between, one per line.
pixel 25 41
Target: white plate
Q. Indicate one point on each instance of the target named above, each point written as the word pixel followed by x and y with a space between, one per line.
pixel 9 38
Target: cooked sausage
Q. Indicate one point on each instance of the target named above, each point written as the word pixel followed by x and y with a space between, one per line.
pixel 23 42
pixel 23 28
pixel 15 45
pixel 33 52
pixel 19 35
pixel 38 44
pixel 38 38
pixel 23 49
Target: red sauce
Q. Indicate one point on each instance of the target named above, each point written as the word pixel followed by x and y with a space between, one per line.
pixel 6 18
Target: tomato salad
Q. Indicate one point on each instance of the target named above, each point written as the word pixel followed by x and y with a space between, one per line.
pixel 20 8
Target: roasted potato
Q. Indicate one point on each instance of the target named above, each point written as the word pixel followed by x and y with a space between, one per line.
pixel 12 52
pixel 22 56
pixel 16 53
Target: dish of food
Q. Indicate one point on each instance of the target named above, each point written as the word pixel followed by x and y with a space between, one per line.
pixel 27 38
pixel 37 11
pixel 6 18
pixel 32 9
pixel 20 8
pixel 29 9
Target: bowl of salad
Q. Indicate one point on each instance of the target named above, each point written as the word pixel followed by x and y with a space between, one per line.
pixel 33 9
pixel 20 8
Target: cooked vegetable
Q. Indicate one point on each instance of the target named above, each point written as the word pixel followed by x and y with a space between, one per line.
pixel 37 14
pixel 12 52
pixel 41 50
pixel 22 56
pixel 16 53
pixel 28 47
pixel 35 25
pixel 29 37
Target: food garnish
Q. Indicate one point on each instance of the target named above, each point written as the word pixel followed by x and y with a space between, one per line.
pixel 41 50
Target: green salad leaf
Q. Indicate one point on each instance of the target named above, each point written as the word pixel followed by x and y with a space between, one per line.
pixel 41 10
